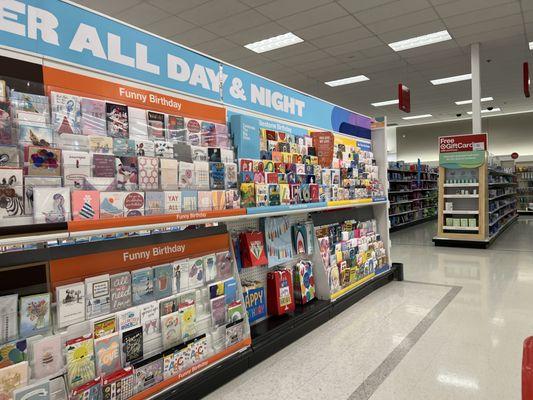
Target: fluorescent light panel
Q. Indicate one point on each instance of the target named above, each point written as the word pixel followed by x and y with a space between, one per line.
pixel 273 43
pixel 385 103
pixel 530 45
pixel 483 99
pixel 485 111
pixel 451 79
pixel 419 41
pixel 417 116
pixel 347 81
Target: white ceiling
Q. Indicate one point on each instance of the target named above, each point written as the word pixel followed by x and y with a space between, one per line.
pixel 349 37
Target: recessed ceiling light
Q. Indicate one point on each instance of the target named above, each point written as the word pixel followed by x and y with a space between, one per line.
pixel 347 81
pixel 483 99
pixel 418 116
pixel 485 111
pixel 451 79
pixel 274 43
pixel 385 103
pixel 530 45
pixel 419 41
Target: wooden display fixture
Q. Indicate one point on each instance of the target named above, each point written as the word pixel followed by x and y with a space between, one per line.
pixel 479 204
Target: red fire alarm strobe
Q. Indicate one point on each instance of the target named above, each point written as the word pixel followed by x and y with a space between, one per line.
pixel 404 98
pixel 514 156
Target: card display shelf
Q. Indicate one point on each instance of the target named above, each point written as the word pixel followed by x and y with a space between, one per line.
pixel 461 196
pixel 459 185
pixel 461 228
pixel 466 212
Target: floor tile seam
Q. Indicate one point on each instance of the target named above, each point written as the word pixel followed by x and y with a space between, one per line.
pixel 369 386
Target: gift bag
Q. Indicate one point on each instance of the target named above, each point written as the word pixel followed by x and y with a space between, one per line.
pixel 280 293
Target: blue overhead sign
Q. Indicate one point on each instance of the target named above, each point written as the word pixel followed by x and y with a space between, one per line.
pixel 69 33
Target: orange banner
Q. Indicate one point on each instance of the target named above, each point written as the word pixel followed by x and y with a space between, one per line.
pixel 89 225
pixel 75 269
pixel 177 378
pixel 86 86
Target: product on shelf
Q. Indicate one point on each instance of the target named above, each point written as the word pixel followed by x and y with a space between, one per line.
pixel 412 194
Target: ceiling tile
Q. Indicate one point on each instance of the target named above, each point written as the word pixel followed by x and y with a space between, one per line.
pixel 234 54
pixel 282 8
pixel 169 27
pixel 528 16
pixel 305 58
pixel 486 26
pixel 412 31
pixel 330 27
pixel 390 10
pixel 461 7
pixel 354 46
pixel 194 37
pixel 173 6
pixel 356 6
pixel 142 15
pixel 314 16
pixel 377 51
pixel 317 64
pixel 227 26
pixel 257 33
pixel 526 5
pixel 213 10
pixel 254 3
pixel 404 21
pixel 342 37
pixel 108 7
pixel 214 47
pixel 494 35
pixel 482 15
pixel 252 61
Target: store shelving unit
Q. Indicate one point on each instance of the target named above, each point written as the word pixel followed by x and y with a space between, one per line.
pixel 524 175
pixel 475 204
pixel 412 194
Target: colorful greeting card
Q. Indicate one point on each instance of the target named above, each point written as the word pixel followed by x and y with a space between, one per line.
pixel 85 204
pixel 80 361
pixel 34 314
pixel 107 354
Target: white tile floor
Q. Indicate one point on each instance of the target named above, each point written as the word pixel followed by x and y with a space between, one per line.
pixel 472 350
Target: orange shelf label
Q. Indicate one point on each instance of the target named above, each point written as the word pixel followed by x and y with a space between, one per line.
pixel 87 86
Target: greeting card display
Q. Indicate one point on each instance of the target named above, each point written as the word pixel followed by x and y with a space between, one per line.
pixel 150 320
pixel 142 281
pixel 48 356
pixel 93 117
pixel 107 351
pixel 100 144
pixel 80 361
pixel 176 128
pixel 85 204
pixel 13 353
pixel 66 113
pixel 70 300
pixel 51 205
pixel 129 318
pixel 11 192
pixel 170 329
pixel 12 378
pixel 111 204
pixel 105 326
pixel 34 314
pixel 117 120
pixel 280 292
pixel 127 172
pixel 255 301
pixel 148 372
pixel 37 135
pixel 133 204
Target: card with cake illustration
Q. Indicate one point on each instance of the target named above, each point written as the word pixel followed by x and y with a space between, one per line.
pixel 47 356
pixel 117 120
pixel 93 117
pixel 85 204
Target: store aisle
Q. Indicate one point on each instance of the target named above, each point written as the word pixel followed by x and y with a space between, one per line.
pixel 453 330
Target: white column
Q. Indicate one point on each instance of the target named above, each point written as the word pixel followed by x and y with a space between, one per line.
pixel 476 87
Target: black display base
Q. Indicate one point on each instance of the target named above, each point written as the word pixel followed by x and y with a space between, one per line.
pixel 273 334
pixel 412 223
pixel 469 244
pixel 525 212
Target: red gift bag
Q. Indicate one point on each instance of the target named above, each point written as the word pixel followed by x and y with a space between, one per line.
pixel 280 292
pixel 252 245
